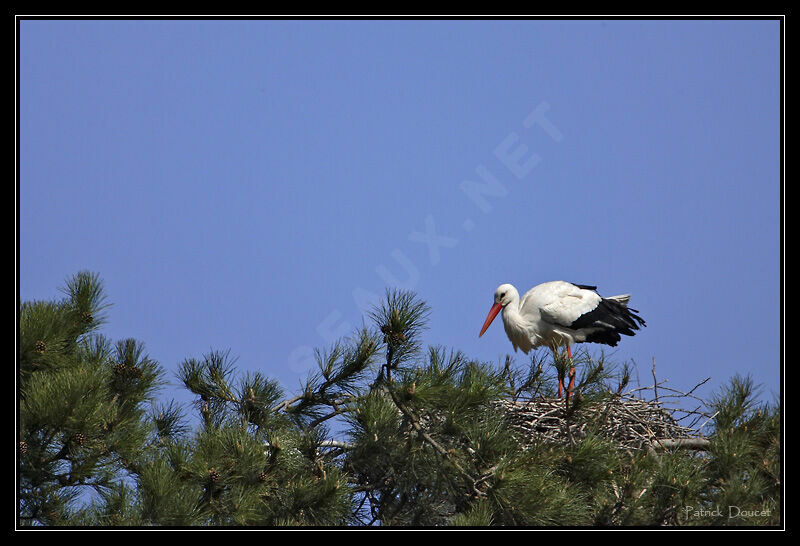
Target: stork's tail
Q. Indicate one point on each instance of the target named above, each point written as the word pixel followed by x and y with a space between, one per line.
pixel 613 318
pixel 623 299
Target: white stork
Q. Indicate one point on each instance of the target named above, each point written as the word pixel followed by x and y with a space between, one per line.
pixel 560 313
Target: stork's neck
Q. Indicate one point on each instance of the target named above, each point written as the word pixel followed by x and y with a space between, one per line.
pixel 511 314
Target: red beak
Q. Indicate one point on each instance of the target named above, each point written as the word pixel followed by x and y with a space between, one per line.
pixel 492 313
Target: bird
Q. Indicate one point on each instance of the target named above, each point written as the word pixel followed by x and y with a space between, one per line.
pixel 561 313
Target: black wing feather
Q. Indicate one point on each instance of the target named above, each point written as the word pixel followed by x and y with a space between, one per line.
pixel 609 319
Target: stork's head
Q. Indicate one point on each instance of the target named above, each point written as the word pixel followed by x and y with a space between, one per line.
pixel 504 295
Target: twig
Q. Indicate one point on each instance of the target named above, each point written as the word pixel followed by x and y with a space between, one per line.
pixel 286 403
pixel 336 444
pixel 695 387
pixel 688 443
pixel 707 420
pixel 510 376
pixel 655 381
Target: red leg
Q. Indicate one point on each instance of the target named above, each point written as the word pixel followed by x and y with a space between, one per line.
pixel 571 381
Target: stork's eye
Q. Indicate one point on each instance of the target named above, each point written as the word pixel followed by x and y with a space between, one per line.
pixel 503 295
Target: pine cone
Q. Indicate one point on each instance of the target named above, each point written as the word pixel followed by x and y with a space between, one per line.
pixel 391 337
pixel 23 447
pixel 87 317
pixel 79 438
pixel 120 368
pixel 262 476
pixel 40 346
pixel 213 475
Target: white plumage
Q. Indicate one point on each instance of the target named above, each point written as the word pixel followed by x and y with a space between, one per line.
pixel 560 313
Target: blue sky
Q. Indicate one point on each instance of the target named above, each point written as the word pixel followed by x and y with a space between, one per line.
pixel 253 185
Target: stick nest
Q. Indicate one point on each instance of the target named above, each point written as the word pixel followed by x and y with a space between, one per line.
pixel 631 423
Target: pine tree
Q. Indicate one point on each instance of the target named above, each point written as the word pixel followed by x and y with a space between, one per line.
pixel 81 402
pixel 385 431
